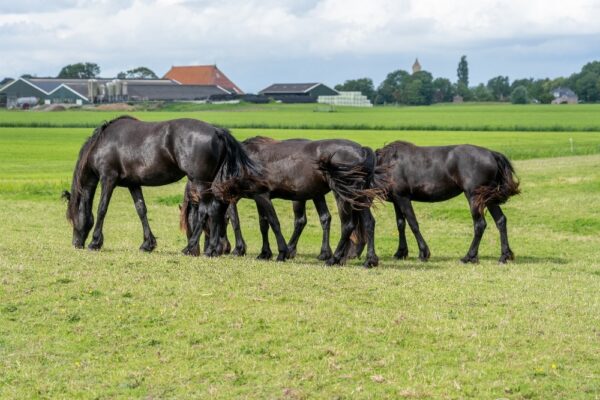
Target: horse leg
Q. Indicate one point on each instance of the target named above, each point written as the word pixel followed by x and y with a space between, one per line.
pixel 234 217
pixel 108 185
pixel 479 225
pixel 216 227
pixel 267 206
pixel 263 222
pixel 402 253
pixel 198 225
pixel 325 219
pixel 349 222
pixel 500 220
pixel 369 225
pixel 407 209
pixel 299 224
pixel 140 206
pixel 224 238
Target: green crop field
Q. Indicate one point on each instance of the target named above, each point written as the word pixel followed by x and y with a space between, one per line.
pixel 123 324
pixel 482 117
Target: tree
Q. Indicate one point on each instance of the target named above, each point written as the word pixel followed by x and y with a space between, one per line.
pixel 519 95
pixel 138 73
pixel 80 71
pixel 463 72
pixel 463 91
pixel 363 85
pixel 586 87
pixel 500 87
pixel 482 93
pixel 417 89
pixel 389 90
pixel 442 90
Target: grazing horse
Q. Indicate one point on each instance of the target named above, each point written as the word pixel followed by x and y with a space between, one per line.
pixel 302 170
pixel 439 173
pixel 131 153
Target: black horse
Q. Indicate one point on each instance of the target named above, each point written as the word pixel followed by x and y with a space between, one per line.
pixel 131 153
pixel 432 174
pixel 302 170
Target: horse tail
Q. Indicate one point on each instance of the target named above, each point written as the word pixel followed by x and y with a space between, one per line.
pixel 237 172
pixel 352 182
pixel 505 185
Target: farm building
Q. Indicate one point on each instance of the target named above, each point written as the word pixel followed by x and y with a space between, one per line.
pixel 33 91
pixel 297 92
pixel 563 95
pixel 207 75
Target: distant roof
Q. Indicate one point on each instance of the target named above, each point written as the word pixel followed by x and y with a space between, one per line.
pixel 289 88
pixel 563 92
pixel 202 75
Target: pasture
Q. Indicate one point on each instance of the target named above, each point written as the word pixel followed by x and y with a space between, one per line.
pixel 122 324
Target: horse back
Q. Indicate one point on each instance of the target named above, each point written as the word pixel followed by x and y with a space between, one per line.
pixel 156 153
pixel 435 173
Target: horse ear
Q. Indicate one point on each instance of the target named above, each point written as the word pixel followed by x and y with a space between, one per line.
pixel 65 195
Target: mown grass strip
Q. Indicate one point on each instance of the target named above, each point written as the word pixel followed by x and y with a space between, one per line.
pixel 336 126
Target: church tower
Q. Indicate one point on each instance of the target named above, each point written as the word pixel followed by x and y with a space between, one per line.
pixel 416 66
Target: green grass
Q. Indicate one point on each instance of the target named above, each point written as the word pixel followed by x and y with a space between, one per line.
pixel 122 324
pixel 479 117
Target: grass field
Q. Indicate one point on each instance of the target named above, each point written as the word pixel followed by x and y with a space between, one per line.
pixel 122 324
pixel 480 117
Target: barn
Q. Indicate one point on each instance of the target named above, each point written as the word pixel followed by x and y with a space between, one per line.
pixel 206 75
pixel 297 92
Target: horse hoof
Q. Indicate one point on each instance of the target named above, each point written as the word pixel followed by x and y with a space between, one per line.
pixel 325 255
pixel 211 253
pixel 504 258
pixel 95 246
pixel 291 253
pixel 470 259
pixel 239 251
pixel 264 255
pixel 148 246
pixel 194 252
pixel 401 254
pixel 424 255
pixel 332 261
pixel 282 257
pixel 371 262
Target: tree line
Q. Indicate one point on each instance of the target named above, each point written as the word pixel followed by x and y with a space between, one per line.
pixel 420 88
pixel 88 70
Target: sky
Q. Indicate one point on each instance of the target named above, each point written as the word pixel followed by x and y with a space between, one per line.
pixel 259 42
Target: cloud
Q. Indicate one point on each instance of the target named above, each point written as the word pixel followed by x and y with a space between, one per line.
pixel 41 36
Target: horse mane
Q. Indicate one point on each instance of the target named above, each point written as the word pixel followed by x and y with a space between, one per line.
pixel 259 140
pixel 82 160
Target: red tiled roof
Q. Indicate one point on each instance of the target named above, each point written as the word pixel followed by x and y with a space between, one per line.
pixel 201 75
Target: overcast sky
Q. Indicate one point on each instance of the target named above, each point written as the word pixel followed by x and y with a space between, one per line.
pixel 259 42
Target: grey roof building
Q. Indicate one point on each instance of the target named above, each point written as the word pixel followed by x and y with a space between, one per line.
pixel 102 90
pixel 297 92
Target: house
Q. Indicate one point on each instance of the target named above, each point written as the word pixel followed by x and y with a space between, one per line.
pixel 297 92
pixel 564 95
pixel 202 75
pixel 33 91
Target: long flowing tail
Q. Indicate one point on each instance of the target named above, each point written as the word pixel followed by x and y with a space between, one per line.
pixel 506 185
pixel 238 171
pixel 352 182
